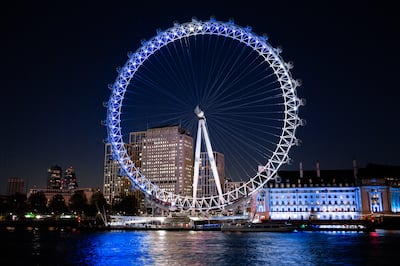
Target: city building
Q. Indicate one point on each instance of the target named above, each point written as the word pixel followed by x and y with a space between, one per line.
pixel 330 194
pixel 65 193
pixel 54 177
pixel 70 181
pixel 168 159
pixel 164 155
pixel 15 185
pixel 136 144
pixel 230 185
pixel 380 188
pixel 116 184
pixel 206 185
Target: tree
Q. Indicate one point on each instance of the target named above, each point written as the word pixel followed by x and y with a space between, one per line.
pixel 17 203
pixel 78 202
pixel 4 206
pixel 57 204
pixel 98 203
pixel 128 205
pixel 38 202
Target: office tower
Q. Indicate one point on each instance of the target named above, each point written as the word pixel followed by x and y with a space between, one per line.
pixel 113 180
pixel 54 177
pixel 136 144
pixel 168 159
pixel 70 181
pixel 164 155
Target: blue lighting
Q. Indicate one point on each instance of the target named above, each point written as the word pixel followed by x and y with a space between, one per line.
pixel 104 247
pixel 340 203
pixel 395 192
pixel 163 38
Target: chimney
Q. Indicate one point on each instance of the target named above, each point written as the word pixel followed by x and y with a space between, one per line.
pixel 301 169
pixel 318 170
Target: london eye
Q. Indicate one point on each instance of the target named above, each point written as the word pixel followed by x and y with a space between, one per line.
pixel 216 70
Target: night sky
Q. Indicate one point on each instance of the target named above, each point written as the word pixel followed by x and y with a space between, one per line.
pixel 58 57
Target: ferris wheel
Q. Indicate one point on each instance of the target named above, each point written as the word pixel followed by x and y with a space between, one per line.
pixel 220 70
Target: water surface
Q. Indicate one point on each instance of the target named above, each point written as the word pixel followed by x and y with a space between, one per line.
pixel 197 248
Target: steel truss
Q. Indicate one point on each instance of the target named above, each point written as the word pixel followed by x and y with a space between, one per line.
pixel 287 138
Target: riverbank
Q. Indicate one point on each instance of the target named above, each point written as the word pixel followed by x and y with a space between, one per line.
pixel 387 222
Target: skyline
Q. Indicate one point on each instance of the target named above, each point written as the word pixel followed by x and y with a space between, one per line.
pixel 60 57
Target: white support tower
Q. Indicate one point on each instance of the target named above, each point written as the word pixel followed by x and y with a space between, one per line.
pixel 203 129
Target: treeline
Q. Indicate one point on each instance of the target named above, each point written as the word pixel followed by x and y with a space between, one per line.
pixel 18 205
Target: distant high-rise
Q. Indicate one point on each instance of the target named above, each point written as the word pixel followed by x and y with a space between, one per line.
pixel 207 186
pixel 15 185
pixel 54 177
pixel 70 181
pixel 112 187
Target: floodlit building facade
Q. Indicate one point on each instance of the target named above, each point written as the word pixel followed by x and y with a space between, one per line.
pixel 164 155
pixel 330 194
pixel 168 159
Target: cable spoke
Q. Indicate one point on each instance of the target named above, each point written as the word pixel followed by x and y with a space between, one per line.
pixel 237 78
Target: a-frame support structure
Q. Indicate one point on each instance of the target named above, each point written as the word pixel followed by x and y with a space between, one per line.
pixel 202 129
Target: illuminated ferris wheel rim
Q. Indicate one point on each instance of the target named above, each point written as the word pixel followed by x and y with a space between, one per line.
pixel 270 55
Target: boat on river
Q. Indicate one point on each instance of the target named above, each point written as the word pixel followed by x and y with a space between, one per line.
pixel 258 227
pixel 338 225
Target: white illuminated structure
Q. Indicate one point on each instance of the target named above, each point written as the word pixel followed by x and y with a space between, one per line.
pixel 285 89
pixel 202 128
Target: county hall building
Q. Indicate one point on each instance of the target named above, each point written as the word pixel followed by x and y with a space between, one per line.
pixel 330 194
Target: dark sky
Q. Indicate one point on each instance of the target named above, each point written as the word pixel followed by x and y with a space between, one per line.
pixel 57 58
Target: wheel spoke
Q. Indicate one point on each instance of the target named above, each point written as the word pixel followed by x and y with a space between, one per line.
pixel 235 74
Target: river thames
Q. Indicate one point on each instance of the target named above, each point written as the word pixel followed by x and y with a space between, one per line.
pixel 42 247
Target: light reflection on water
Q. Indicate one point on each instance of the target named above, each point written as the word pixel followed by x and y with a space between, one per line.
pixel 197 248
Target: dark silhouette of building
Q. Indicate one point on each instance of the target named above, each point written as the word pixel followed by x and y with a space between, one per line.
pixel 15 185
